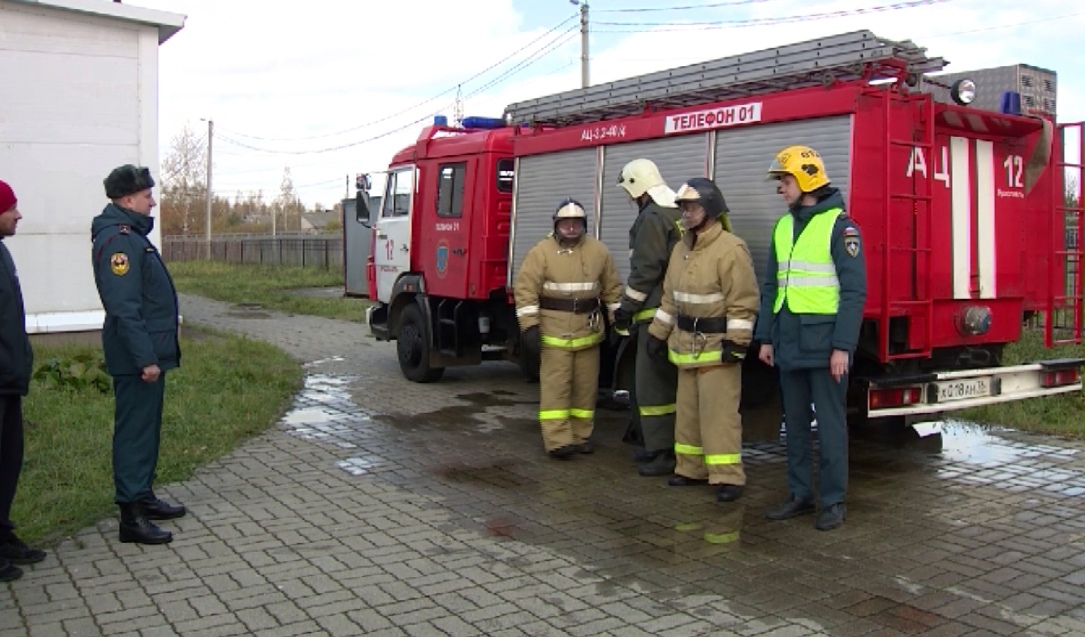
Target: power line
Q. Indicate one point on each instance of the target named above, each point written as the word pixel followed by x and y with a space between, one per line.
pixel 713 5
pixel 548 48
pixel 758 22
pixel 418 105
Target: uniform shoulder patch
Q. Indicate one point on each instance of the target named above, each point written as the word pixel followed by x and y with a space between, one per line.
pixel 851 231
pixel 118 263
pixel 124 229
pixel 851 244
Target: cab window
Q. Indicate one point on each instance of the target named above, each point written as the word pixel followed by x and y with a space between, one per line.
pixel 505 174
pixel 400 189
pixel 450 190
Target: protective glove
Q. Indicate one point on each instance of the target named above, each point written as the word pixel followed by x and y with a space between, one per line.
pixel 732 353
pixel 622 319
pixel 657 348
pixel 531 336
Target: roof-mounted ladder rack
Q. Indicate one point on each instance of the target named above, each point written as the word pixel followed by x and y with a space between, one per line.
pixel 844 57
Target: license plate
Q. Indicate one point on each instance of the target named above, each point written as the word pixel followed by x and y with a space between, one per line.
pixel 963 389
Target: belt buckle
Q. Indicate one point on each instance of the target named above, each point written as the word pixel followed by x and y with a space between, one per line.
pixel 574 304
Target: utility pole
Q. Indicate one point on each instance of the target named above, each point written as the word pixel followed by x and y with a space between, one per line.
pixel 584 44
pixel 210 135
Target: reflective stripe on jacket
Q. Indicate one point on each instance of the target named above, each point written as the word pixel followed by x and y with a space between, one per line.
pixel 582 271
pixel 710 275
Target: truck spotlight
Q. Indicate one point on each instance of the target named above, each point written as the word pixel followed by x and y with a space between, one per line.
pixel 963 91
pixel 974 320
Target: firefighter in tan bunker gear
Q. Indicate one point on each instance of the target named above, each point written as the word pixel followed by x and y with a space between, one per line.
pixel 704 325
pixel 563 284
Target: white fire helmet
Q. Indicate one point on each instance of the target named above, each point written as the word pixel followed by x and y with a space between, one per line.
pixel 642 176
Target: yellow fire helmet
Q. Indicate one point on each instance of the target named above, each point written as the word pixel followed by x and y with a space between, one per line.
pixel 804 164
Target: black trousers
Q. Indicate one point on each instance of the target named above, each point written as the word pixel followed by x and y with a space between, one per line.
pixel 137 431
pixel 11 457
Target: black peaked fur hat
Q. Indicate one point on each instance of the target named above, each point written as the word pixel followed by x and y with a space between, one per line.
pixel 127 180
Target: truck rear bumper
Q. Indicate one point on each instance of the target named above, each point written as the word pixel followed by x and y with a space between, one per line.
pixel 940 392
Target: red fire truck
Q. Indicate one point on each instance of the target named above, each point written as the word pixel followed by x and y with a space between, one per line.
pixel 960 190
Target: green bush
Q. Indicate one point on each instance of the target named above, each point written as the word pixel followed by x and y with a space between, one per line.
pixel 84 370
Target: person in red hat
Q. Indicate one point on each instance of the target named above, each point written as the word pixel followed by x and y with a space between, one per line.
pixel 16 362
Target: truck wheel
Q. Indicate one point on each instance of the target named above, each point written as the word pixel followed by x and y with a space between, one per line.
pixel 412 346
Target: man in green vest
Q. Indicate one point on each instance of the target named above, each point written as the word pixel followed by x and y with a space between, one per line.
pixel 811 312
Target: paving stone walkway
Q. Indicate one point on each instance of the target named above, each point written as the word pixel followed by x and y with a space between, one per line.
pixel 381 507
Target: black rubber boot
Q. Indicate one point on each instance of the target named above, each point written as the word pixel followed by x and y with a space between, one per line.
pixel 135 527
pixel 156 509
pixel 662 465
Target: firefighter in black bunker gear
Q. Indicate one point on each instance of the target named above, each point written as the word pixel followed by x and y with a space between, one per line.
pixel 651 240
pixel 561 289
pixel 704 325
pixel 811 310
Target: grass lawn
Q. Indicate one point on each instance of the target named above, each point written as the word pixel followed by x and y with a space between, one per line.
pixel 227 389
pixel 1062 415
pixel 273 287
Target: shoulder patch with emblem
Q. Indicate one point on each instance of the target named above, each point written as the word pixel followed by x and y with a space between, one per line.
pixel 851 242
pixel 124 229
pixel 118 263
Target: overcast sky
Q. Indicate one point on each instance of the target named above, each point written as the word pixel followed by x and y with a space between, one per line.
pixel 334 87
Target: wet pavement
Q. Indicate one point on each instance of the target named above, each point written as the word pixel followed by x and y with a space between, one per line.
pixel 383 507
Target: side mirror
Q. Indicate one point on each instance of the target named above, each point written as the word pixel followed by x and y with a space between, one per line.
pixel 362 184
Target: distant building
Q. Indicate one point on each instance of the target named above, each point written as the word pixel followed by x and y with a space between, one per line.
pixel 317 222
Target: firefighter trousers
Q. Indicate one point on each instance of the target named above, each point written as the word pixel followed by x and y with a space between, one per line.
pixel 568 385
pixel 800 388
pixel 708 427
pixel 656 389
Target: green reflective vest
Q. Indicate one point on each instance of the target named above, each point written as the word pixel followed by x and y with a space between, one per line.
pixel 805 274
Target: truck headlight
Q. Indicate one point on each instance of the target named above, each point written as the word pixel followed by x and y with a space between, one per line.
pixel 974 320
pixel 963 91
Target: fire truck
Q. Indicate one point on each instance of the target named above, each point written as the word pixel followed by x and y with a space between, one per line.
pixel 969 231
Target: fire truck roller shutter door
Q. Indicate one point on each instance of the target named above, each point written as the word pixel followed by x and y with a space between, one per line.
pixel 541 181
pixel 741 157
pixel 677 158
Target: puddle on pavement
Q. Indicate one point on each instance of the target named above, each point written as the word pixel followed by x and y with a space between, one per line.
pixel 478 461
pixel 323 411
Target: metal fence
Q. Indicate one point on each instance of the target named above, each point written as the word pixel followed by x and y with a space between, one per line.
pixel 317 251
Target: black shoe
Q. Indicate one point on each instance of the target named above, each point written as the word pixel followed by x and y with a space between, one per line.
pixel 682 481
pixel 794 507
pixel 9 572
pixel 663 465
pixel 585 447
pixel 135 527
pixel 16 551
pixel 831 517
pixel 729 492
pixel 563 453
pixel 156 509
pixel 642 455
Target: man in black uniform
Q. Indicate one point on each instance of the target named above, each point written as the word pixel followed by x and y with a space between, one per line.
pixel 140 342
pixel 651 241
pixel 16 363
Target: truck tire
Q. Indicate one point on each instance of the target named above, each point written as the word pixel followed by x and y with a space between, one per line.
pixel 412 347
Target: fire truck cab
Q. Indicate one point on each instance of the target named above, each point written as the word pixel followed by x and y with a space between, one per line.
pixel 968 228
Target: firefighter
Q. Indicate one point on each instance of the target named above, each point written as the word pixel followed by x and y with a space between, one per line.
pixel 704 325
pixel 651 240
pixel 811 310
pixel 561 289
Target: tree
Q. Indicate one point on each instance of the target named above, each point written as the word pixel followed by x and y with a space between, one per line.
pixel 184 184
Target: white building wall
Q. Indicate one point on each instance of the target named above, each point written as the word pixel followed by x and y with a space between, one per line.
pixel 80 98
